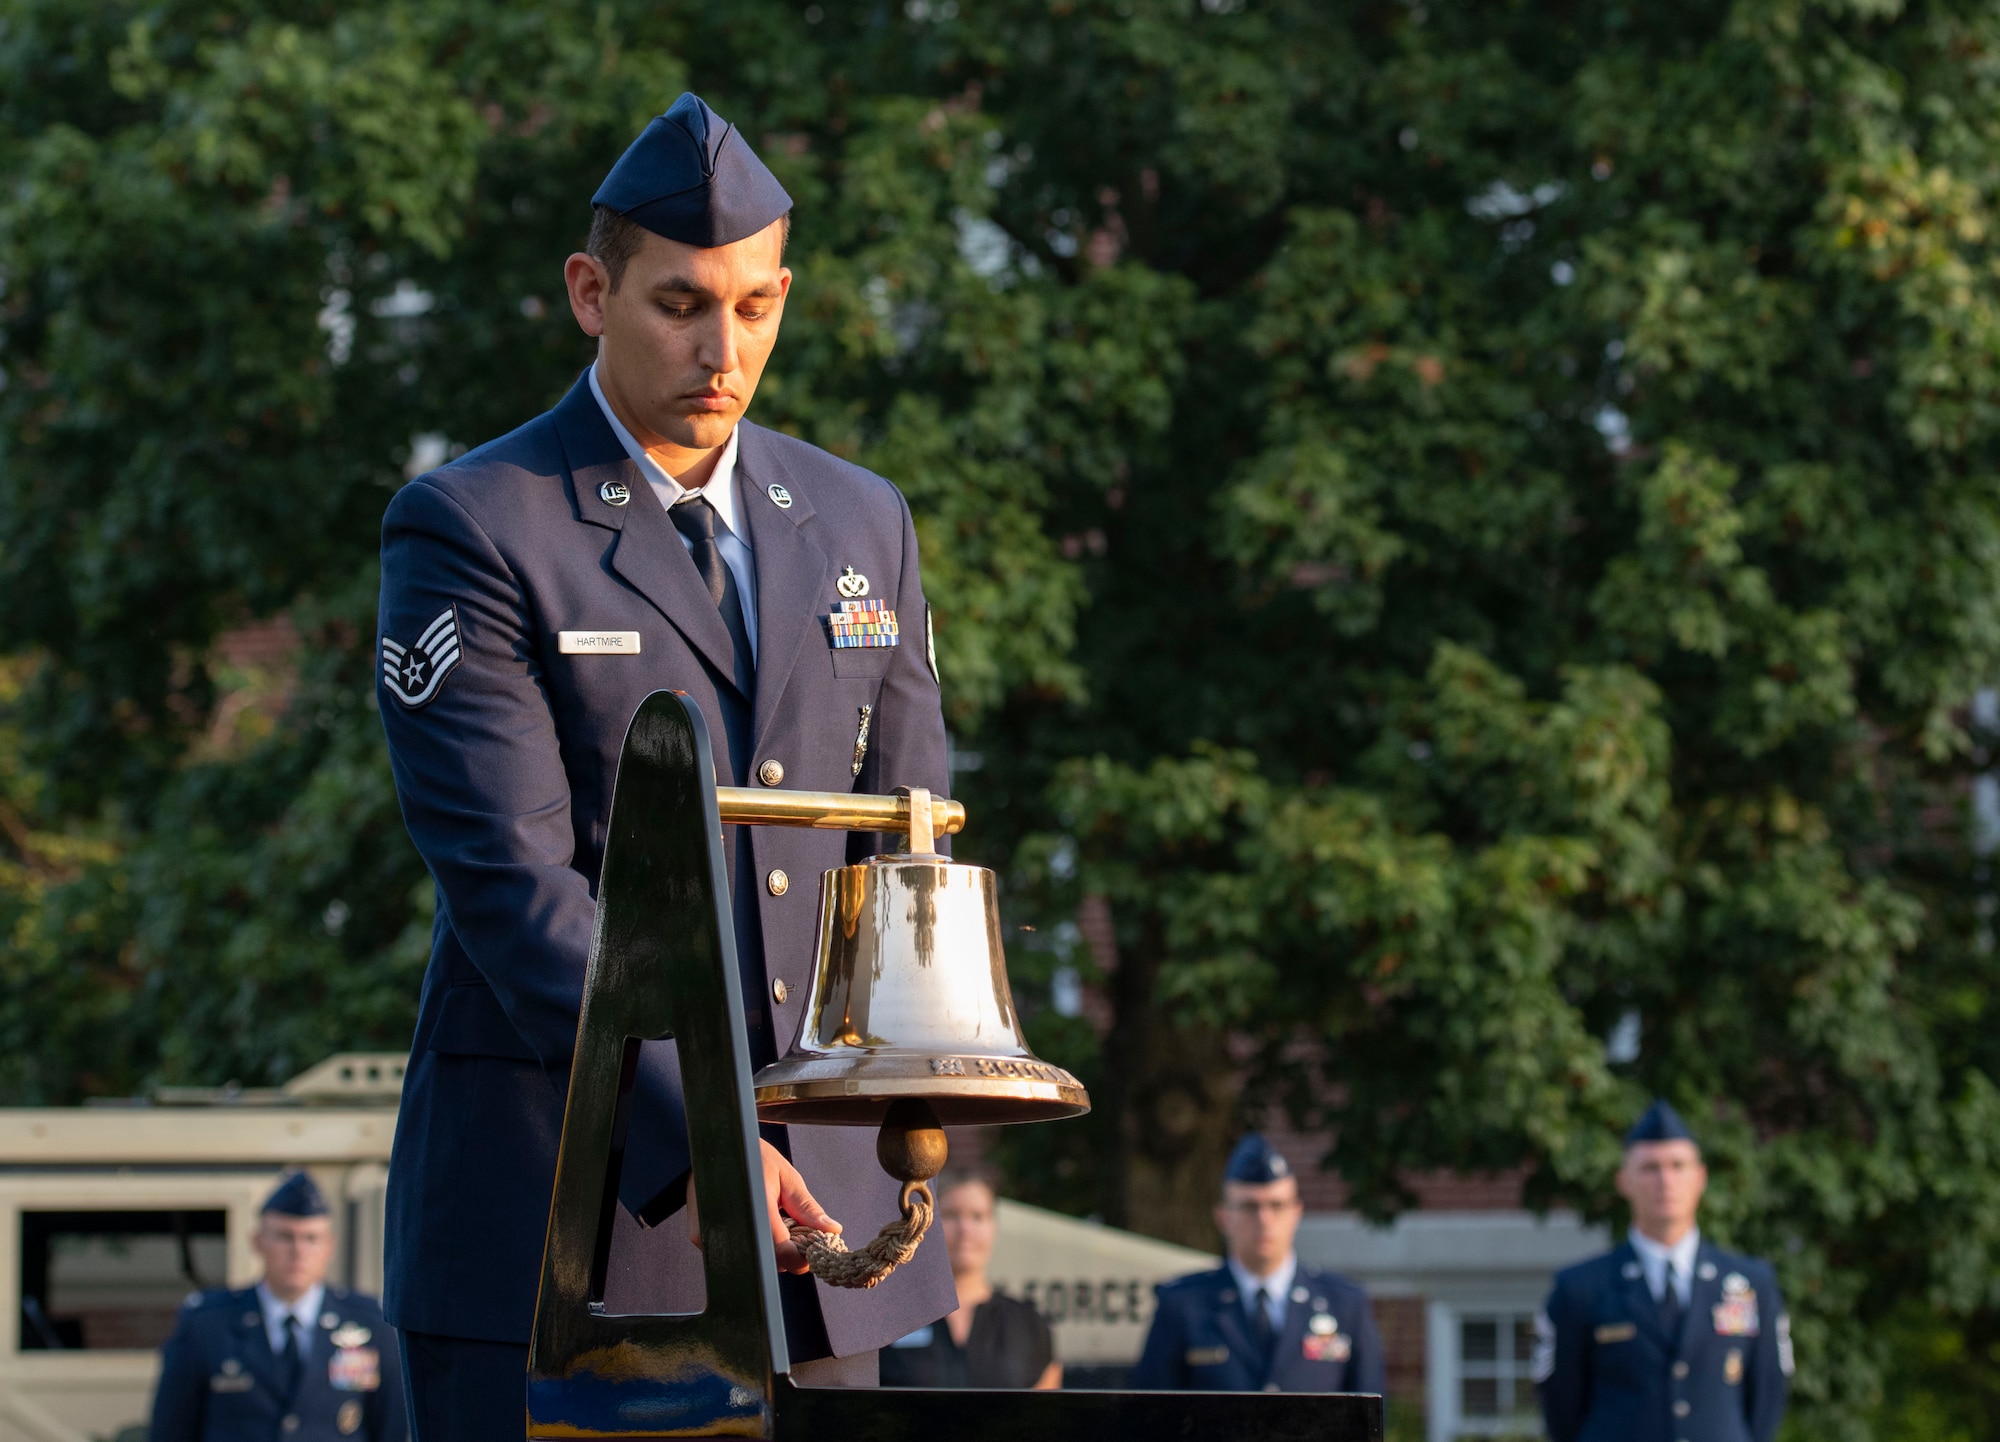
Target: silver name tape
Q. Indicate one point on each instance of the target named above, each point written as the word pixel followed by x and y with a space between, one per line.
pixel 597 643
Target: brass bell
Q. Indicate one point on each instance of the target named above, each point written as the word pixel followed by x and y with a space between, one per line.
pixel 909 1002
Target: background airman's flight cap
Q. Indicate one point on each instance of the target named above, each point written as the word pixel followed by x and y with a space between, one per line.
pixel 296 1196
pixel 1661 1123
pixel 1257 1161
pixel 692 177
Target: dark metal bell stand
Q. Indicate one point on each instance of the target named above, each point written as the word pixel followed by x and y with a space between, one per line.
pixel 663 963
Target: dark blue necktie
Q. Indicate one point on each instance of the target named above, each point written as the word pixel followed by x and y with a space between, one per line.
pixel 1670 1304
pixel 694 518
pixel 1261 1331
pixel 291 1362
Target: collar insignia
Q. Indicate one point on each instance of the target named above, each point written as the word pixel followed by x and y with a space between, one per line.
pixel 614 493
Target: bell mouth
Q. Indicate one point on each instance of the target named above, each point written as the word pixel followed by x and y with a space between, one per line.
pixel 965 1091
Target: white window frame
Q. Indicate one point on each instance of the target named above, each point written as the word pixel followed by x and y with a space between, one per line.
pixel 1442 1375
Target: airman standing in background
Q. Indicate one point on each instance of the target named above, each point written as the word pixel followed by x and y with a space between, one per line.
pixel 1666 1338
pixel 1264 1321
pixel 288 1360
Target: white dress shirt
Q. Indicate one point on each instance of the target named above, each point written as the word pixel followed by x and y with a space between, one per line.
pixel 306 1309
pixel 1275 1287
pixel 732 537
pixel 1654 1257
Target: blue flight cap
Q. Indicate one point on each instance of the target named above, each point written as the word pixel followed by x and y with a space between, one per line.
pixel 692 177
pixel 296 1196
pixel 1661 1123
pixel 1256 1161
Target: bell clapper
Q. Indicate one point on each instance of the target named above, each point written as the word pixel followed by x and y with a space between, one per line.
pixel 911 1148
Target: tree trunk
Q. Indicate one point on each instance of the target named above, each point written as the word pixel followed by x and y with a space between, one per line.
pixel 1169 1094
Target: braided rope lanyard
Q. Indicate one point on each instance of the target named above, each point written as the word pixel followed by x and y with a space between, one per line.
pixel 895 1244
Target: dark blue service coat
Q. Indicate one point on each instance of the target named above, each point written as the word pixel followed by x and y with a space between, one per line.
pixel 505 747
pixel 1201 1342
pixel 1610 1373
pixel 220 1381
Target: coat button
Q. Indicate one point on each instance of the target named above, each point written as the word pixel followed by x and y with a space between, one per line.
pixel 1681 1408
pixel 772 772
pixel 1680 1369
pixel 779 991
pixel 290 1424
pixel 778 882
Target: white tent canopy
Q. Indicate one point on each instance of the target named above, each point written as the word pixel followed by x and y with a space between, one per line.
pixel 1094 1283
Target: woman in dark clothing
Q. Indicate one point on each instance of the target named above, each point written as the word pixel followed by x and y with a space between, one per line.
pixel 992 1340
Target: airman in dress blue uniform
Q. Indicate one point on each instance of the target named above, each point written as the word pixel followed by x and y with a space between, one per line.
pixel 1263 1321
pixel 1667 1338
pixel 288 1360
pixel 641 535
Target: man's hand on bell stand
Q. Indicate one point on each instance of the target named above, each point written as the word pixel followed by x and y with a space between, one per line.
pixel 784 1189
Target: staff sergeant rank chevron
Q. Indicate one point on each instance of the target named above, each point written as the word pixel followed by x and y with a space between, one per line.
pixel 414 673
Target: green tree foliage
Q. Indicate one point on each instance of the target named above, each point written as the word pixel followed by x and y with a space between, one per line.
pixel 1459 525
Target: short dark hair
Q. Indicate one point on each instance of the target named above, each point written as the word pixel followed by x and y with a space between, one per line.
pixel 614 240
pixel 977 1174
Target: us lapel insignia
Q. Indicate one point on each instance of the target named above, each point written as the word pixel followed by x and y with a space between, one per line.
pixel 780 497
pixel 861 623
pixel 851 584
pixel 413 673
pixel 1736 1314
pixel 614 493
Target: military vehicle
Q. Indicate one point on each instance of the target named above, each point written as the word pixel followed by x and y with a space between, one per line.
pixel 112 1212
